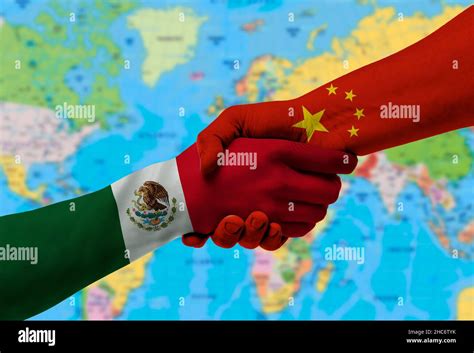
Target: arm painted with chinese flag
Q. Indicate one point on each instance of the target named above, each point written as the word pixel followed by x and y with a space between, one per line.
pixel 421 91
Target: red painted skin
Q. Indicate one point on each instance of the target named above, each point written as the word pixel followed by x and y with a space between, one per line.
pixel 436 74
pixel 286 171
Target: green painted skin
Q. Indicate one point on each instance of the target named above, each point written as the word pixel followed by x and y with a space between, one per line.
pixel 78 241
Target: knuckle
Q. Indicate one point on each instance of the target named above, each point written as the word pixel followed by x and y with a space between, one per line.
pixel 267 191
pixel 202 137
pixel 355 161
pixel 282 185
pixel 285 175
pixel 304 229
pixel 334 190
pixel 229 112
pixel 349 162
pixel 273 153
pixel 320 214
pixel 276 212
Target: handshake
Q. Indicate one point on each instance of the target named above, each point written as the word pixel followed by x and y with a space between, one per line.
pixel 256 191
pixel 292 150
pixel 258 175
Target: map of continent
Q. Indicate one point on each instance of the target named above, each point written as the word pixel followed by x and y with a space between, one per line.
pixel 156 74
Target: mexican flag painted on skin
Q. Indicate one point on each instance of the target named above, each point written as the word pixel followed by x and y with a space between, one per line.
pixel 79 241
pixel 88 237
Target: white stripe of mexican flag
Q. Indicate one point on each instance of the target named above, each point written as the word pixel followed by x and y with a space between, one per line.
pixel 144 228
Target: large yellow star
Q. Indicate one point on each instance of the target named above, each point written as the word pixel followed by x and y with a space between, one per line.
pixel 331 89
pixel 311 122
pixel 359 113
pixel 353 131
pixel 350 95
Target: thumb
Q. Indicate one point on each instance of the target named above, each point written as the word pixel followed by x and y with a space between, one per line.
pixel 208 146
pixel 219 134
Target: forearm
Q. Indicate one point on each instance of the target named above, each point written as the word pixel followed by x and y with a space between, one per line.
pixel 66 246
pixel 71 244
pixel 421 91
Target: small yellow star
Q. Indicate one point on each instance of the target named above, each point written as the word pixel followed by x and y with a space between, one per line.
pixel 311 122
pixel 331 89
pixel 353 131
pixel 350 95
pixel 359 113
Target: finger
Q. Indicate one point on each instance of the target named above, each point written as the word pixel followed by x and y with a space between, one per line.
pixel 255 228
pixel 311 158
pixel 194 240
pixel 321 189
pixel 219 134
pixel 283 240
pixel 273 238
pixel 228 231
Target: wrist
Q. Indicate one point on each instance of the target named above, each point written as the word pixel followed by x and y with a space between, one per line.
pixel 151 207
pixel 201 210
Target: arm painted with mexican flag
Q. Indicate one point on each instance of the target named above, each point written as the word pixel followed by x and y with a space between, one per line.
pixel 423 90
pixel 50 253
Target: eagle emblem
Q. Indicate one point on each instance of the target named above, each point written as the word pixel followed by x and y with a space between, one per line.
pixel 151 208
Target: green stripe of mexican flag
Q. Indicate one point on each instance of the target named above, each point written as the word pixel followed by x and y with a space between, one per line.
pixel 50 253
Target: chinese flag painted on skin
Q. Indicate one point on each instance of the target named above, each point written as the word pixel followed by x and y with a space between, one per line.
pixel 423 90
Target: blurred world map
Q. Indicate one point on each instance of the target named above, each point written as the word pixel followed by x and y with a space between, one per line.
pixel 156 73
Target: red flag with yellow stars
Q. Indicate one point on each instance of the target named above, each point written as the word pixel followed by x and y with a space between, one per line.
pixel 423 90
